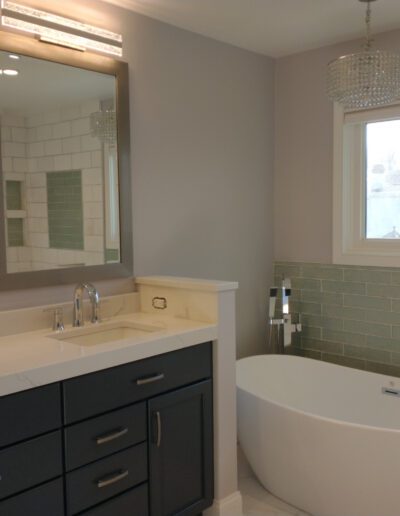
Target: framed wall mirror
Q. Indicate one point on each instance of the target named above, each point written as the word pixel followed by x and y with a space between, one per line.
pixel 65 194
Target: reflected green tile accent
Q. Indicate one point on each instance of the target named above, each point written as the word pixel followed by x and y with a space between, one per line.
pixel 367 276
pixel 311 332
pixel 309 353
pixel 15 232
pixel 14 195
pixel 343 287
pixel 287 270
pixel 309 308
pixel 65 210
pixel 112 255
pixel 322 322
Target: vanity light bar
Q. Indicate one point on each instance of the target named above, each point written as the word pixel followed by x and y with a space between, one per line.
pixel 52 28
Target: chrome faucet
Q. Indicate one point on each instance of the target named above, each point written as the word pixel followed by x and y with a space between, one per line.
pixel 94 297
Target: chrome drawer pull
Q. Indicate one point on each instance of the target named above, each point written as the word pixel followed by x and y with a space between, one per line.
pixel 158 417
pixel 150 379
pixel 108 481
pixel 102 439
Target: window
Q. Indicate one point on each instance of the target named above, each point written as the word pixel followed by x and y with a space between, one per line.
pixel 366 221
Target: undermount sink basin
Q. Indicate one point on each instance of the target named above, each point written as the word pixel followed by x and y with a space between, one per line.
pixel 104 333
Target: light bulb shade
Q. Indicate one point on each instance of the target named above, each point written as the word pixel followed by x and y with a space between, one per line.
pixel 366 79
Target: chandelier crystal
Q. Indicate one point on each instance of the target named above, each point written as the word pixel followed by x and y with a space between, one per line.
pixel 365 79
pixel 104 126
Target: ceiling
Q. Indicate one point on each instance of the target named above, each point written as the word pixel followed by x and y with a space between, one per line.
pixel 272 27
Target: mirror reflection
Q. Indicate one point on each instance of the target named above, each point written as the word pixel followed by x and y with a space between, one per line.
pixel 59 165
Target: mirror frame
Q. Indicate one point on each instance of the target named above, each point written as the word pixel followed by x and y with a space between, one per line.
pixel 30 47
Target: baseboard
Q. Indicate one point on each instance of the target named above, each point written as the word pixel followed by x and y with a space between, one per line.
pixel 229 506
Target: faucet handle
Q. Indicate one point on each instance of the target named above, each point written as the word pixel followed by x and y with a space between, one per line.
pixel 58 318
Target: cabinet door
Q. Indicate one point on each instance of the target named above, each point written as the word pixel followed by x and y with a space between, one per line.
pixel 181 451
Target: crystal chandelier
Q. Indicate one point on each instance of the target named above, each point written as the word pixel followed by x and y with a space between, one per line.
pixel 366 79
pixel 104 126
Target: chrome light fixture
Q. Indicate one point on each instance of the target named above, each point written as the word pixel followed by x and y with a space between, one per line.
pixel 104 126
pixel 58 30
pixel 366 79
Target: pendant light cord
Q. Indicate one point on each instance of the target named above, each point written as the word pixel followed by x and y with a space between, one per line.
pixel 369 39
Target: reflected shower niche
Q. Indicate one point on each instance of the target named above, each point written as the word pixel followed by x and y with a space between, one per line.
pixel 59 166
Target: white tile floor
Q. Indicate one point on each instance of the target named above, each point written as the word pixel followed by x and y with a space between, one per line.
pixel 256 500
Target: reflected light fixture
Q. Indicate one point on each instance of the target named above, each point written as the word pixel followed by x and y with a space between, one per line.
pixel 9 71
pixel 366 79
pixel 58 30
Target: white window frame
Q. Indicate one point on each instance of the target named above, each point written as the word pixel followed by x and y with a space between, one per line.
pixel 350 246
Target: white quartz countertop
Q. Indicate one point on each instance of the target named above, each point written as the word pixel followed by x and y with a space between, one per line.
pixel 36 358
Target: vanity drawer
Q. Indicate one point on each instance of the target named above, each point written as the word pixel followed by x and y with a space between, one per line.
pixel 31 463
pixel 93 484
pixel 94 439
pixel 106 390
pixel 29 413
pixel 132 503
pixel 47 499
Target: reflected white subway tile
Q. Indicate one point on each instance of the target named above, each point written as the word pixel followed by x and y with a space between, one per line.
pixel 5 134
pixel 94 243
pixel 12 255
pixel 52 147
pixel 94 258
pixel 38 195
pixel 38 210
pixel 80 127
pixel 7 164
pixel 45 164
pixel 97 159
pixel 19 134
pixel 20 165
pixel 92 176
pixel 13 149
pixel 71 145
pixel 90 143
pixel 62 130
pixel 63 162
pixel 24 266
pixel 31 134
pixel 38 224
pixel 24 254
pixel 35 149
pixel 39 239
pixel 81 160
pixel 44 133
pixel 66 257
pixel 37 180
pixel 93 210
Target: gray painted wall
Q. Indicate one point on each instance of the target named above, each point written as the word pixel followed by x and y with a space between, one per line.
pixel 304 151
pixel 202 116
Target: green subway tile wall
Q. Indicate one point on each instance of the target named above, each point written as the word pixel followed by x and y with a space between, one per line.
pixel 350 315
pixel 65 209
pixel 13 195
pixel 15 232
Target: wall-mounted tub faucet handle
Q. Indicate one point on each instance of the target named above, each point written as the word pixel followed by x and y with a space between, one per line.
pixel 58 318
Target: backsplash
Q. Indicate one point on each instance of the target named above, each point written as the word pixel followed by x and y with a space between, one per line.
pixel 350 315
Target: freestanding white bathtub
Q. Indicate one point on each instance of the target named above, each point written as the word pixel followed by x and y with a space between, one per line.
pixel 322 437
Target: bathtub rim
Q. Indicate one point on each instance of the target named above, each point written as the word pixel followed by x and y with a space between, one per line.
pixel 312 415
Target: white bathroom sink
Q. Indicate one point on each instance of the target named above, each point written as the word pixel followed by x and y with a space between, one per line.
pixel 105 332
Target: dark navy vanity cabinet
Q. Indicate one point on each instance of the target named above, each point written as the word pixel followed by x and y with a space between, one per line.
pixel 133 440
